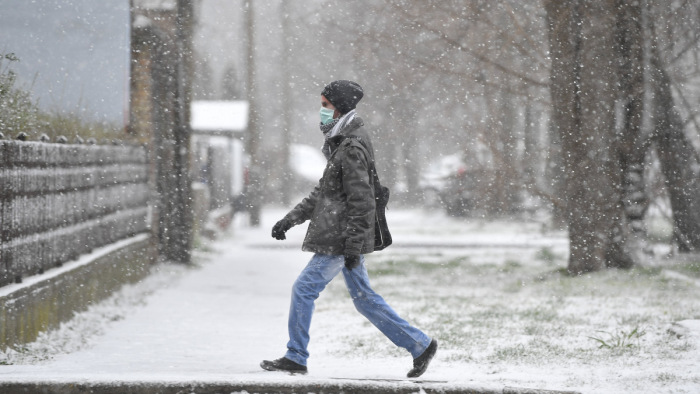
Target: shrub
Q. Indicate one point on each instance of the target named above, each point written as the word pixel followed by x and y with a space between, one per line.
pixel 18 113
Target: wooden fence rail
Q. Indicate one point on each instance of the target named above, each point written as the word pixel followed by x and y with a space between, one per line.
pixel 58 201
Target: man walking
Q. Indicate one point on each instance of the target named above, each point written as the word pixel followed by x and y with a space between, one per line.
pixel 341 209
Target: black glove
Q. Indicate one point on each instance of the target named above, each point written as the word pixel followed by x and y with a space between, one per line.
pixel 352 261
pixel 280 228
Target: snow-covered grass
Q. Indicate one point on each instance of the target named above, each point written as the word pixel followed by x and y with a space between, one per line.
pixel 507 308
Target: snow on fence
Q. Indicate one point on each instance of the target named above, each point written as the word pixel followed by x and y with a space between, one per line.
pixel 58 201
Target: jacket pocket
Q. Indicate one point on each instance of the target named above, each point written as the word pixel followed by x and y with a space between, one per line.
pixel 329 223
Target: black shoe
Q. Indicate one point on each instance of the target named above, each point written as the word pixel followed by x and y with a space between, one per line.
pixel 284 364
pixel 420 363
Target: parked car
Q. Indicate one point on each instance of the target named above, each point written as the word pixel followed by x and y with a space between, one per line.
pixel 460 192
pixel 453 184
pixel 437 177
pixel 461 187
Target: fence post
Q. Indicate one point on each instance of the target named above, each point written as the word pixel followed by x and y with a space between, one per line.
pixel 4 191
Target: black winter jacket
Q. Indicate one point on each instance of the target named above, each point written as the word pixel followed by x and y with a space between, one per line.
pixel 341 207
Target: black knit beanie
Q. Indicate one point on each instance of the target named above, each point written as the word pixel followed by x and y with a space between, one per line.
pixel 344 95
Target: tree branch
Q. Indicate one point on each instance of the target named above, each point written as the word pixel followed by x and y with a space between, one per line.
pixel 691 44
pixel 457 45
pixel 691 115
pixel 538 57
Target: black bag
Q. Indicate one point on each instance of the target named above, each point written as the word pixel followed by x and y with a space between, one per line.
pixel 382 236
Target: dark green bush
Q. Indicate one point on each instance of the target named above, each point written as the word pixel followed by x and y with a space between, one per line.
pixel 20 114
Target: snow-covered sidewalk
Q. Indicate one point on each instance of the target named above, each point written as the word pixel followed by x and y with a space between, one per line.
pixel 211 325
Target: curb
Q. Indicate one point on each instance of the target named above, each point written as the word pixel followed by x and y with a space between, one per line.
pixel 319 387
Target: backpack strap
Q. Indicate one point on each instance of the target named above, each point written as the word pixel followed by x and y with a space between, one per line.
pixel 372 168
pixel 382 235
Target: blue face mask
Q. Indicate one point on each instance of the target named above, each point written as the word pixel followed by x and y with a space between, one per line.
pixel 326 115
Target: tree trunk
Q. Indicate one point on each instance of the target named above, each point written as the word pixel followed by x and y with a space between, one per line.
pixel 510 162
pixel 678 157
pixel 629 244
pixel 409 152
pixel 531 155
pixel 501 197
pixel 555 174
pixel 582 89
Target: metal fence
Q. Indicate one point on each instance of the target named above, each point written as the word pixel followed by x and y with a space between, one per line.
pixel 58 201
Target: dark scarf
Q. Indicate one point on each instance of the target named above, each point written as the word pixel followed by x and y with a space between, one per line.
pixel 326 128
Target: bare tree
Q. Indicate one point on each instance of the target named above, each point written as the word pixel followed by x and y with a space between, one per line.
pixel 481 74
pixel 460 71
pixel 583 95
pixel 629 244
pixel 606 197
pixel 679 159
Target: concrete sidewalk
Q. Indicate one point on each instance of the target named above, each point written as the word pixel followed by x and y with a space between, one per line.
pixel 205 330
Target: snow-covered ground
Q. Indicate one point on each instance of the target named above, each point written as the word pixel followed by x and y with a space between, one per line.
pixel 491 293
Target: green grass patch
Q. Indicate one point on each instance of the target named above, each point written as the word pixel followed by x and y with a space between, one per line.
pixel 546 255
pixel 691 268
pixel 619 338
pixel 666 377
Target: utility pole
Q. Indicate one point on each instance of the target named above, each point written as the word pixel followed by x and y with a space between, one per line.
pixel 254 193
pixel 286 106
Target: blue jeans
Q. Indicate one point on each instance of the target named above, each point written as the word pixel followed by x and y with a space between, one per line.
pixel 314 278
